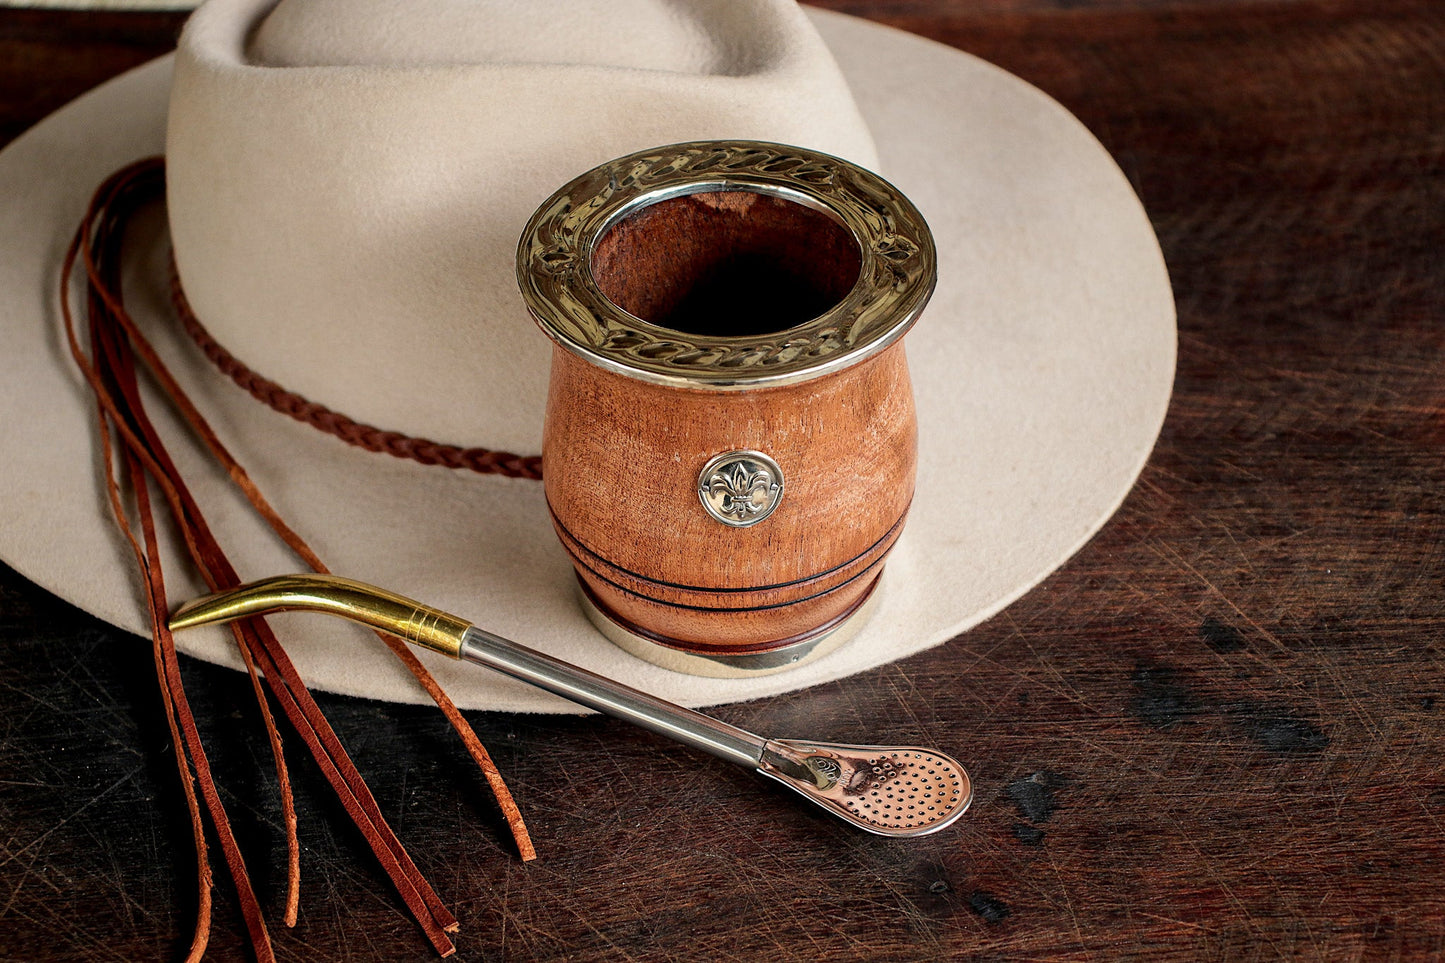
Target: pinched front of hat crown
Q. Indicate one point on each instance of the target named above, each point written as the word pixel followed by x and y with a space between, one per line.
pixel 347 181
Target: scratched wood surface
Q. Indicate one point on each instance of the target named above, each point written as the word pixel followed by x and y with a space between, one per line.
pixel 1217 733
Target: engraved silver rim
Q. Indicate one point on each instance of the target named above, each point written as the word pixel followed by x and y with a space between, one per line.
pixel 897 273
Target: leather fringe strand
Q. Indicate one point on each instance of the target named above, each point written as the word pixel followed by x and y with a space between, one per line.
pixel 141 476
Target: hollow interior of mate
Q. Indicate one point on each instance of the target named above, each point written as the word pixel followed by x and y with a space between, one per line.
pixel 726 263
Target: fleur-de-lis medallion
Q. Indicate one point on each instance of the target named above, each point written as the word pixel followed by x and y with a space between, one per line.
pixel 740 488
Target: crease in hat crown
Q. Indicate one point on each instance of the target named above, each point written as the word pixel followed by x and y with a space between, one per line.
pixel 345 224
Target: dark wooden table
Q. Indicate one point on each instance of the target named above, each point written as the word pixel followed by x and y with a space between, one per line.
pixel 1217 733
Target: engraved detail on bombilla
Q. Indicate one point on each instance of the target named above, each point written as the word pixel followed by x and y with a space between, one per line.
pixel 740 488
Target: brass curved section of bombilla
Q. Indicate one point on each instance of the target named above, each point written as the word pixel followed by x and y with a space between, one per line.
pixel 407 619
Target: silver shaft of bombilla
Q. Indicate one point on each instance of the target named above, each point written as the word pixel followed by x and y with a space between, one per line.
pixel 612 698
pixel 432 628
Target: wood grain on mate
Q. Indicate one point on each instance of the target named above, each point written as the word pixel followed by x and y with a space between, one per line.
pixel 624 454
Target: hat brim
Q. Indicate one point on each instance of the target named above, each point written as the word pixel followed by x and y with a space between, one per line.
pixel 1042 371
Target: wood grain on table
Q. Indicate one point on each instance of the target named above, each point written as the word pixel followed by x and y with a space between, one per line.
pixel 1217 733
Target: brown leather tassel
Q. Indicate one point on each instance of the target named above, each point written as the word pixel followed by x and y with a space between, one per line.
pixel 136 459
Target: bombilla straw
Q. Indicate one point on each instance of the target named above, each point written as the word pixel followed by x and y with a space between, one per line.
pixel 888 790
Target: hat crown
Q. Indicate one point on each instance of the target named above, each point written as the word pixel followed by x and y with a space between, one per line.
pixel 731 37
pixel 347 181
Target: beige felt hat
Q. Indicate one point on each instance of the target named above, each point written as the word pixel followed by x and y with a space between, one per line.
pixel 347 180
